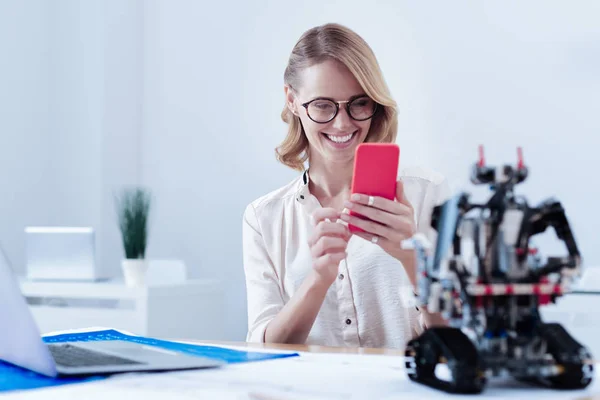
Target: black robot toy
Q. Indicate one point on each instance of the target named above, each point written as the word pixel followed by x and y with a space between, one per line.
pixel 488 281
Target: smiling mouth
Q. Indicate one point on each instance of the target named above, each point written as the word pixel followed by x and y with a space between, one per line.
pixel 340 139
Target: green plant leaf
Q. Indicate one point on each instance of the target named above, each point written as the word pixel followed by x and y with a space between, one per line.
pixel 133 209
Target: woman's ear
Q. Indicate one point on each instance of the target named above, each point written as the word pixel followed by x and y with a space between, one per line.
pixel 290 98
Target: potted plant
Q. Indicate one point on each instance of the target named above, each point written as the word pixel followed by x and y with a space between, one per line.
pixel 133 208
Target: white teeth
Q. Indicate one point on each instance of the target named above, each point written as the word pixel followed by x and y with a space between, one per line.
pixel 340 139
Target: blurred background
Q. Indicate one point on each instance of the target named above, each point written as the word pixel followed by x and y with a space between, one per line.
pixel 184 97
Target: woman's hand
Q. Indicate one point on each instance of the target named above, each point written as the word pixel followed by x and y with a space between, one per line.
pixel 389 222
pixel 328 244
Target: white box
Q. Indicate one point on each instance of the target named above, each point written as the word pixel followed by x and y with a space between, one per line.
pixel 61 253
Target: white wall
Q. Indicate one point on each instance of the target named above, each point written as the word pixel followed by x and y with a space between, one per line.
pixel 185 97
pixel 25 179
pixel 75 125
pixel 122 117
pixel 69 117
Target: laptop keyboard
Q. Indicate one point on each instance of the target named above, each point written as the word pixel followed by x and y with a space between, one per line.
pixel 67 355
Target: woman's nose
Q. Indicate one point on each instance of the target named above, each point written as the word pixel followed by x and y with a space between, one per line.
pixel 342 120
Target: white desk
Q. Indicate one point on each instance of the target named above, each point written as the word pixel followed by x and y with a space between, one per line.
pixel 319 373
pixel 190 309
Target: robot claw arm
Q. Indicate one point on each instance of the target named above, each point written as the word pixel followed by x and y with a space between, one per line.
pixel 422 247
pixel 551 214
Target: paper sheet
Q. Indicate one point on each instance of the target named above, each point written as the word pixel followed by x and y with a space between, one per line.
pixel 16 378
pixel 308 377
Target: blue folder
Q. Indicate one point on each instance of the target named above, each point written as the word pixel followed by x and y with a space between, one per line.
pixel 16 378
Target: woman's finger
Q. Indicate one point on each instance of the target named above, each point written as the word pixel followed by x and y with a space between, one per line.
pixel 324 214
pixel 372 227
pixel 329 229
pixel 374 214
pixel 328 244
pixel 369 236
pixel 381 203
pixel 329 259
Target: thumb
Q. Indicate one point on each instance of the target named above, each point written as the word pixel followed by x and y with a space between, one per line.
pixel 400 196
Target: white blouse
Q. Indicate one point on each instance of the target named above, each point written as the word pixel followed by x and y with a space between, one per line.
pixel 365 306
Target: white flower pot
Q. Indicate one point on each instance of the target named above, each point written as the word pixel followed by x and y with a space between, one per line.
pixel 134 271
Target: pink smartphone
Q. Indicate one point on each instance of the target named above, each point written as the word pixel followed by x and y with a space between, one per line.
pixel 375 172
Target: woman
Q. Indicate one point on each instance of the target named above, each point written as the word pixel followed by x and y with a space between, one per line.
pixel 309 280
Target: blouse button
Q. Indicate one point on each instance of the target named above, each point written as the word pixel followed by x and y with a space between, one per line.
pixel 341 276
pixel 348 321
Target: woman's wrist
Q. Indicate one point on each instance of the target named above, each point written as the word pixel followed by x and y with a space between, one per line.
pixel 293 323
pixel 408 258
pixel 317 283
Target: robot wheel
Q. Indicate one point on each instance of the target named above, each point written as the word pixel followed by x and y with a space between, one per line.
pixel 575 360
pixel 452 347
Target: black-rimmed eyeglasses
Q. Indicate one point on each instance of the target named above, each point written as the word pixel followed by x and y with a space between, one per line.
pixel 322 110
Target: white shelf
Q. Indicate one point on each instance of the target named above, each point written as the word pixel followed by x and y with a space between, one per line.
pixel 191 309
pixel 114 289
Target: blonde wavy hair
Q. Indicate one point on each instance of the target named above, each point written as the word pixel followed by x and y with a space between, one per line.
pixel 336 42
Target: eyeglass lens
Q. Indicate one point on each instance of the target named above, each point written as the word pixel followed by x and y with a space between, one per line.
pixel 323 110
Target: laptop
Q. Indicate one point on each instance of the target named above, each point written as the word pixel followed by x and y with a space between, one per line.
pixel 21 344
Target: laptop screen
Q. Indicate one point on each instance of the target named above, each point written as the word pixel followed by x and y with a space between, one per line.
pixel 20 340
